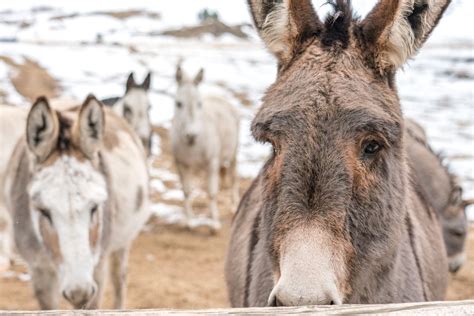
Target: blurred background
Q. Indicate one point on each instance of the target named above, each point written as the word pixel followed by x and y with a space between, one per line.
pixel 72 48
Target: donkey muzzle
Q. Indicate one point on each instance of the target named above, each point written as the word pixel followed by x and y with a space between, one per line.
pixel 191 139
pixel 285 296
pixel 456 262
pixel 79 297
pixel 309 270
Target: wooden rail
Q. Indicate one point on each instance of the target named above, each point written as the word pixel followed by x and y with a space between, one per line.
pixel 426 308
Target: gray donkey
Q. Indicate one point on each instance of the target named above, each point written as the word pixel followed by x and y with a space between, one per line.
pixel 71 212
pixel 333 216
pixel 442 190
pixel 204 137
pixel 134 107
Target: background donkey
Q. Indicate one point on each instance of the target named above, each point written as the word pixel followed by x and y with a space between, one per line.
pixel 134 107
pixel 333 216
pixel 70 209
pixel 204 136
pixel 442 190
pixel 12 127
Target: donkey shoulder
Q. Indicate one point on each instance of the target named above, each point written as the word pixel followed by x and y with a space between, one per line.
pixel 244 238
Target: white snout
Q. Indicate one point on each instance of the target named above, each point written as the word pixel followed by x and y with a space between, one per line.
pixel 456 261
pixel 80 296
pixel 310 271
pixel 144 130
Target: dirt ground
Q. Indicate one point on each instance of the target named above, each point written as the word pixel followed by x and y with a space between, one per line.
pixel 31 80
pixel 171 267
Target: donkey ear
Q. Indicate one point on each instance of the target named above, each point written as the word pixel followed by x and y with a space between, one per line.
pixel 396 29
pixel 199 77
pixel 90 126
pixel 146 83
pixel 41 129
pixel 130 82
pixel 468 202
pixel 284 25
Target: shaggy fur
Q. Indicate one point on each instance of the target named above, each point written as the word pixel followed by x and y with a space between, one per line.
pixel 339 175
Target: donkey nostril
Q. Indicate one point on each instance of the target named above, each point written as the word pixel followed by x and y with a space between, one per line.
pixel 332 302
pixel 191 139
pixel 65 295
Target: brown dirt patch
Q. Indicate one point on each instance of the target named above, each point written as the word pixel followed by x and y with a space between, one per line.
pixel 214 27
pixel 31 80
pixel 121 15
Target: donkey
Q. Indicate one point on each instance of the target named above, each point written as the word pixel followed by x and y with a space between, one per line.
pixel 443 190
pixel 70 209
pixel 333 216
pixel 12 126
pixel 204 136
pixel 134 107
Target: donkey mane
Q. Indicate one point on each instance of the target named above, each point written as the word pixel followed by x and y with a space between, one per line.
pixel 444 164
pixel 337 23
pixel 64 137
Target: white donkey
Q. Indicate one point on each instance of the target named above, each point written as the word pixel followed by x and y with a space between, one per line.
pixel 77 191
pixel 204 136
pixel 12 127
pixel 134 107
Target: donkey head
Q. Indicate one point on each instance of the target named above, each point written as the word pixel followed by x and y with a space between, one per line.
pixel 136 106
pixel 189 113
pixel 68 192
pixel 336 183
pixel 455 227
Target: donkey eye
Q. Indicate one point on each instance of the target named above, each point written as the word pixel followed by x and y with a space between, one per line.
pixel 370 148
pixel 44 212
pixel 179 104
pixel 458 232
pixel 94 210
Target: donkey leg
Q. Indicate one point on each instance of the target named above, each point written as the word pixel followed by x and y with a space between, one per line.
pixel 235 186
pixel 185 178
pixel 119 266
pixel 212 190
pixel 6 239
pixel 45 286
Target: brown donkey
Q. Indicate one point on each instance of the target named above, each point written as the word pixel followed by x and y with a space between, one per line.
pixel 442 189
pixel 333 217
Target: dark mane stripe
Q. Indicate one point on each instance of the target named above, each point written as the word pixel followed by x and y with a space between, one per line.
pixel 411 236
pixel 337 24
pixel 65 133
pixel 453 183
